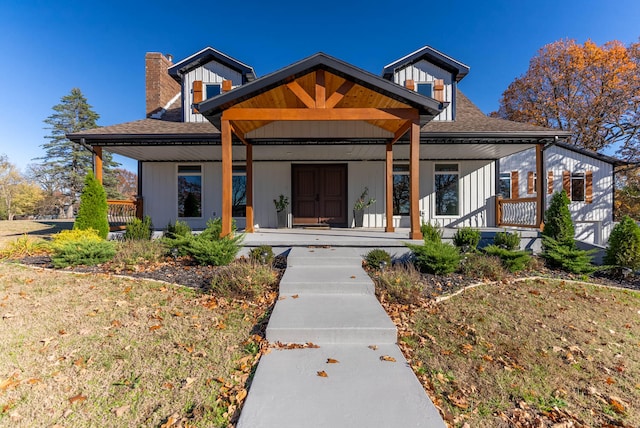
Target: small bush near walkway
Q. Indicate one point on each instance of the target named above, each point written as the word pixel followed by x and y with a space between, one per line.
pixel 375 257
pixel 513 261
pixel 243 278
pixel 507 240
pixel 139 230
pixel 400 284
pixel 431 232
pixel 262 254
pixel 467 239
pixel 435 257
pixel 483 266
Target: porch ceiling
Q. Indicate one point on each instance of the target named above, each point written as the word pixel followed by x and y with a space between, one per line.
pixel 319 151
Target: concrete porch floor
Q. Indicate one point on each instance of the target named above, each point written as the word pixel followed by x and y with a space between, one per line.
pixel 367 238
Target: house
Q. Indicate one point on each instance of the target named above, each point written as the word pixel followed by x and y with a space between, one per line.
pixel 586 176
pixel 218 141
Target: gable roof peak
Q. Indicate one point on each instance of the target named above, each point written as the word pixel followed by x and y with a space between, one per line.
pixel 432 55
pixel 206 55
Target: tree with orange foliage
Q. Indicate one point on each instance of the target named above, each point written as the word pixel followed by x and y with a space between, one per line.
pixel 592 91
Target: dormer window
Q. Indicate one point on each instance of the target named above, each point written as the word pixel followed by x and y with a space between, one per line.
pixel 425 89
pixel 212 89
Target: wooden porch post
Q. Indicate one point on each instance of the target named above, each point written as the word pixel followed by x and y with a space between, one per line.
pixel 389 188
pixel 539 186
pixel 249 195
pixel 97 163
pixel 414 180
pixel 227 160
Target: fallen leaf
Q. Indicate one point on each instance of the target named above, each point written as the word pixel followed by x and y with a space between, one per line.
pixel 323 374
pixel 127 289
pixel 11 382
pixel 610 381
pixel 332 361
pixel 241 395
pixel 295 296
pixel 155 327
pixel 119 411
pixel 77 398
pixel 373 347
pixel 34 380
pixel 353 277
pixel 171 421
pixel 616 405
pixel 387 358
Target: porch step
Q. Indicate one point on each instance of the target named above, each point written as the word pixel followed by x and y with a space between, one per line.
pixel 324 257
pixel 360 390
pixel 330 319
pixel 305 280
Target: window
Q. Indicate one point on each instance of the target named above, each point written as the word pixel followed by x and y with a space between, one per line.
pixel 446 181
pixel 425 89
pixel 577 187
pixel 212 90
pixel 239 191
pixel 189 191
pixel 401 189
pixel 504 186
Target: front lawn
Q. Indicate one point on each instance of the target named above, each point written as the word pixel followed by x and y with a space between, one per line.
pixel 98 350
pixel 528 353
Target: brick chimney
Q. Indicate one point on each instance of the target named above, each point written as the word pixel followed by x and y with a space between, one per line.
pixel 160 87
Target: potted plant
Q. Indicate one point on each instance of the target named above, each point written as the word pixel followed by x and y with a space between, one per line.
pixel 358 207
pixel 281 210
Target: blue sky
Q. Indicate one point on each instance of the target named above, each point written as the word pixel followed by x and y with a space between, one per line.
pixel 50 47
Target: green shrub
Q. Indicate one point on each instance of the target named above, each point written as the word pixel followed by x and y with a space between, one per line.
pixel 400 284
pixel 243 279
pixel 565 257
pixel 179 229
pixel 435 257
pixel 512 260
pixel 208 247
pixel 88 253
pixel 482 266
pixel 431 232
pixel 557 220
pixel 467 238
pixel 624 245
pixel 139 230
pixel 262 254
pixel 507 240
pixel 376 256
pixel 92 213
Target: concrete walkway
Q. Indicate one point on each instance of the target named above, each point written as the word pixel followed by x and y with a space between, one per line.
pixel 328 299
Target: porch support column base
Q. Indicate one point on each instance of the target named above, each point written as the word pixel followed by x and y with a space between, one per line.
pixel 227 161
pixel 249 215
pixel 389 188
pixel 414 180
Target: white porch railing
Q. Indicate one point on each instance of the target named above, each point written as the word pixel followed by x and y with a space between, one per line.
pixel 516 212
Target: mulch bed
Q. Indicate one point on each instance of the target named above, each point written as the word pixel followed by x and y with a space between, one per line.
pixel 182 270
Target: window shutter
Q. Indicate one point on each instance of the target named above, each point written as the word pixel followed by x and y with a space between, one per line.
pixel 438 89
pixel 530 185
pixel 566 182
pixel 550 182
pixel 410 84
pixel 588 184
pixel 197 93
pixel 515 194
pixel 226 85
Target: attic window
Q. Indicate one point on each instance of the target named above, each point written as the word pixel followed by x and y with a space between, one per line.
pixel 425 89
pixel 212 90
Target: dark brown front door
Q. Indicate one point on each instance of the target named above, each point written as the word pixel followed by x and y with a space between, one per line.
pixel 319 194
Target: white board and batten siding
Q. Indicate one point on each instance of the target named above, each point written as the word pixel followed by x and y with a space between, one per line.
pixel 212 72
pixel 476 193
pixel 593 221
pixel 425 72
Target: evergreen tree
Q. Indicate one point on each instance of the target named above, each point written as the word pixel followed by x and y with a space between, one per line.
pixel 557 220
pixel 92 213
pixel 67 162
